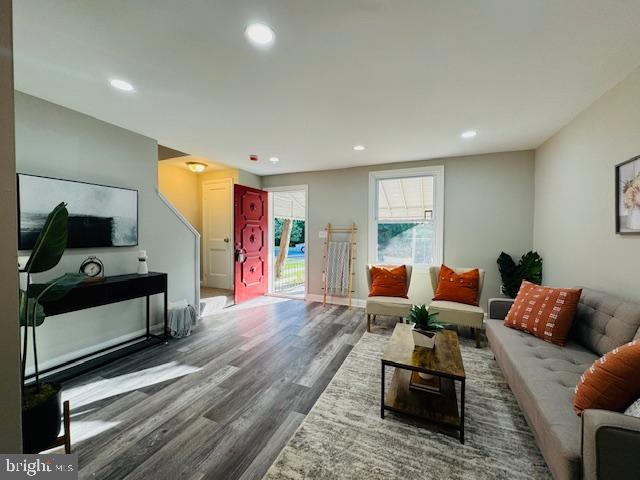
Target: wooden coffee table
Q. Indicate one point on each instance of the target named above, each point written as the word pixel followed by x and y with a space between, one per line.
pixel 444 363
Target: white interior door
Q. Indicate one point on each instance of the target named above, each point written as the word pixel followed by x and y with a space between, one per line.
pixel 217 227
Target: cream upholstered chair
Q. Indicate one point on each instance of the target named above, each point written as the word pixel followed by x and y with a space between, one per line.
pixel 458 313
pixel 392 306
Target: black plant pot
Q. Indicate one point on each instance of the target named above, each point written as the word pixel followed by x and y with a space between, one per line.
pixel 41 416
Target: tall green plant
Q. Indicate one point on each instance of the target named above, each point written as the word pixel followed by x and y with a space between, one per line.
pixel 528 268
pixel 46 254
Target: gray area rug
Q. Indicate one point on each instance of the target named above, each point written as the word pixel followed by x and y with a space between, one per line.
pixel 343 437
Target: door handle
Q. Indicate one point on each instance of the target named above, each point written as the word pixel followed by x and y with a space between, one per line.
pixel 226 240
pixel 240 257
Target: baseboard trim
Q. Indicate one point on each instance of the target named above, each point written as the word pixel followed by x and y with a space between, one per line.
pixel 83 351
pixel 355 302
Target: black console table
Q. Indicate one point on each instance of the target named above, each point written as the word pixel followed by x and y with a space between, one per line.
pixel 114 289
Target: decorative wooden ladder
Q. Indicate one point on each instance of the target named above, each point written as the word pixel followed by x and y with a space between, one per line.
pixel 331 231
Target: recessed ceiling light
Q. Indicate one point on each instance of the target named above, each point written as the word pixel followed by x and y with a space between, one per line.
pixel 274 160
pixel 469 134
pixel 196 167
pixel 260 34
pixel 121 85
pixel 358 148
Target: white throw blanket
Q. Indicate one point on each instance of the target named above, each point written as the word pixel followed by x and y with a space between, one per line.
pixel 338 268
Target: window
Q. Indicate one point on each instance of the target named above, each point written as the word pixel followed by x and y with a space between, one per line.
pixel 405 216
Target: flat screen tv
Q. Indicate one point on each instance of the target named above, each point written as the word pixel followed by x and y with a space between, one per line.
pixel 99 216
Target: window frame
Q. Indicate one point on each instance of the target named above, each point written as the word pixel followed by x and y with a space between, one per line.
pixel 435 171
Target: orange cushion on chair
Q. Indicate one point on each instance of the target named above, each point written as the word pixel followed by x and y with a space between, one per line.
pixel 461 288
pixel 389 282
pixel 612 382
pixel 545 312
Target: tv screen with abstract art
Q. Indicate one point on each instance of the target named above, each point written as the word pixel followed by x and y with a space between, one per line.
pixel 99 216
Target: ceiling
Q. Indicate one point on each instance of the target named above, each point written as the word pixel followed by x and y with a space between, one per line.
pixel 184 159
pixel 165 153
pixel 404 78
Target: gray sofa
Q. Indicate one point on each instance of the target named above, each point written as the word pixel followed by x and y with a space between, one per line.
pixel 543 376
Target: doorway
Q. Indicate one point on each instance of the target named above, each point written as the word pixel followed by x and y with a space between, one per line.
pixel 288 241
pixel 217 227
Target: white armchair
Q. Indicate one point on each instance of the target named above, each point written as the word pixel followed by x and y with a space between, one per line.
pixel 392 306
pixel 458 313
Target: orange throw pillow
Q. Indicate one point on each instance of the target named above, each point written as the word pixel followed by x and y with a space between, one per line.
pixel 389 282
pixel 612 382
pixel 545 312
pixel 461 288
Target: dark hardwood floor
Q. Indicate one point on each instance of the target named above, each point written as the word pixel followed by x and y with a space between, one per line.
pixel 220 404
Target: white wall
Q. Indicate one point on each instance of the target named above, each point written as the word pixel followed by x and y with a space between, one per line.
pixel 488 208
pixel 10 410
pixel 574 227
pixel 58 142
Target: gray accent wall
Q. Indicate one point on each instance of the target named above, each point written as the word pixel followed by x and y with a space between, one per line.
pixel 54 141
pixel 574 227
pixel 249 179
pixel 488 208
pixel 10 410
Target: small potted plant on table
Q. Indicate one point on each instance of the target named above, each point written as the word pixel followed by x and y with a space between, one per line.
pixel 425 326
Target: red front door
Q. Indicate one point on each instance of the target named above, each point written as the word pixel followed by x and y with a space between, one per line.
pixel 250 242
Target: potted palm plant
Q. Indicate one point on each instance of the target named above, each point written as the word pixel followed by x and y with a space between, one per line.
pixel 41 413
pixel 528 268
pixel 425 326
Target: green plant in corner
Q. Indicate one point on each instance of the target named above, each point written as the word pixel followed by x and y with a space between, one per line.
pixel 424 320
pixel 47 251
pixel 528 268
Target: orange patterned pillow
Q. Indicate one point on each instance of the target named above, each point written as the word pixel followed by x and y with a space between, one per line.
pixel 454 287
pixel 545 312
pixel 389 282
pixel 612 382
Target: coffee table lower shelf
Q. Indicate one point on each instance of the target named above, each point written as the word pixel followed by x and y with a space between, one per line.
pixel 440 409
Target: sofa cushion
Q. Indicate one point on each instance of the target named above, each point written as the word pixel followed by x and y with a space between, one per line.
pixel 612 382
pixel 457 313
pixel 395 306
pixel 542 377
pixel 458 287
pixel 604 322
pixel 388 281
pixel 545 312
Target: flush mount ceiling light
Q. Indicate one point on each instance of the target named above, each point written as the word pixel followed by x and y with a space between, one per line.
pixel 274 160
pixel 121 85
pixel 358 148
pixel 469 134
pixel 260 34
pixel 196 167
